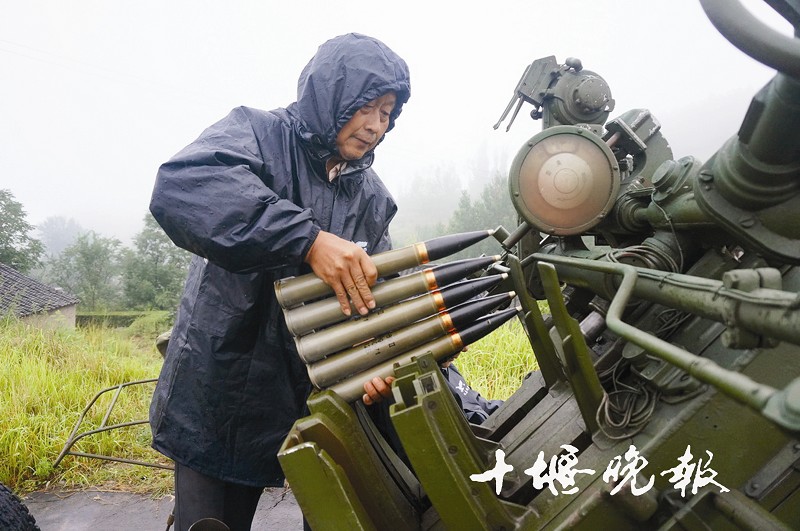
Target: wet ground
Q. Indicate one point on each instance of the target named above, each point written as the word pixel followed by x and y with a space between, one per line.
pixel 123 511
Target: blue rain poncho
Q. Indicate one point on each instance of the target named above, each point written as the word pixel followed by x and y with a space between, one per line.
pixel 248 198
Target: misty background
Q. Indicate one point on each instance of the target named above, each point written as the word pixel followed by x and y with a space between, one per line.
pixel 96 94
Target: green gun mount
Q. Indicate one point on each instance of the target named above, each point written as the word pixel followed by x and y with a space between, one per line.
pixel 667 394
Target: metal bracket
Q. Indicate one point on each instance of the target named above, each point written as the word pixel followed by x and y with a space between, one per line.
pixel 543 347
pixel 578 363
pixel 445 453
pixel 331 445
pixel 75 436
pixel 780 465
pixel 750 281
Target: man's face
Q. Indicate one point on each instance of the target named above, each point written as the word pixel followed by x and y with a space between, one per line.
pixel 365 128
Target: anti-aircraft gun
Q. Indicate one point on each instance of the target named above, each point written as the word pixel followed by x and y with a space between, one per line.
pixel 668 389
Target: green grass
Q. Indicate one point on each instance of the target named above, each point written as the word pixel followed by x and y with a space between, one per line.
pixel 496 365
pixel 46 379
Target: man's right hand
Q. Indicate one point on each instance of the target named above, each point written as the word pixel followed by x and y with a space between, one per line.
pixel 377 389
pixel 346 268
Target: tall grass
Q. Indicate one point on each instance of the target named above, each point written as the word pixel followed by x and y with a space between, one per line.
pixel 48 376
pixel 496 365
pixel 46 379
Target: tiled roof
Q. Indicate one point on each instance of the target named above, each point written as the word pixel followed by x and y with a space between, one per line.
pixel 25 296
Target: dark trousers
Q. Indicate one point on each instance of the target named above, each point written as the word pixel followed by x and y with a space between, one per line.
pixel 198 496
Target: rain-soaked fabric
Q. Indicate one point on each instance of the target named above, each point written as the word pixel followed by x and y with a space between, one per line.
pixel 476 408
pixel 249 197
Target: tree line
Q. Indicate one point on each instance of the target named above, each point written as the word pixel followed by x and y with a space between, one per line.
pixel 106 275
pixel 99 270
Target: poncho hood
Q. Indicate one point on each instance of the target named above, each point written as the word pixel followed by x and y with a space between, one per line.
pixel 345 73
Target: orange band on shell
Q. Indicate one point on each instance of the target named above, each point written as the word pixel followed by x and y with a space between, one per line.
pixel 438 300
pixel 422 253
pixel 446 320
pixel 458 343
pixel 430 279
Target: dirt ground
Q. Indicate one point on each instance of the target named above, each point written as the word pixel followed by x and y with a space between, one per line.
pixel 122 511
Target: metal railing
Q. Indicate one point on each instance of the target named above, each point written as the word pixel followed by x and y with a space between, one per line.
pixel 75 436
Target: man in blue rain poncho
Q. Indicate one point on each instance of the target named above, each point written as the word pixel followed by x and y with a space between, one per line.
pixel 257 197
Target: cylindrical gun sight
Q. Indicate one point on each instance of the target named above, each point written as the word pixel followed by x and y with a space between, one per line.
pixel 362 357
pixel 313 347
pixel 352 388
pixel 328 311
pixel 292 291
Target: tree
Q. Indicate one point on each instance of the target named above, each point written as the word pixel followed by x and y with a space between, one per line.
pixel 462 219
pixel 153 274
pixel 17 248
pixel 425 206
pixel 491 209
pixel 89 268
pixel 57 233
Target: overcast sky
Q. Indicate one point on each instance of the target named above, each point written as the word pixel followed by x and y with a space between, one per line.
pixel 95 95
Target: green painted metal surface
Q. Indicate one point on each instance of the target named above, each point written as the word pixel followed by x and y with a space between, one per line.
pixel 668 389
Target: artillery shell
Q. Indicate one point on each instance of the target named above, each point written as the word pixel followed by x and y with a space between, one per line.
pixel 362 357
pixel 326 312
pixel 293 290
pixel 313 347
pixel 352 388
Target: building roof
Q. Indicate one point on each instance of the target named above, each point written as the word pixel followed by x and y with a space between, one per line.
pixel 24 296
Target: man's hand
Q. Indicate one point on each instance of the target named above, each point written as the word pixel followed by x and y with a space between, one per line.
pixel 346 268
pixel 377 389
